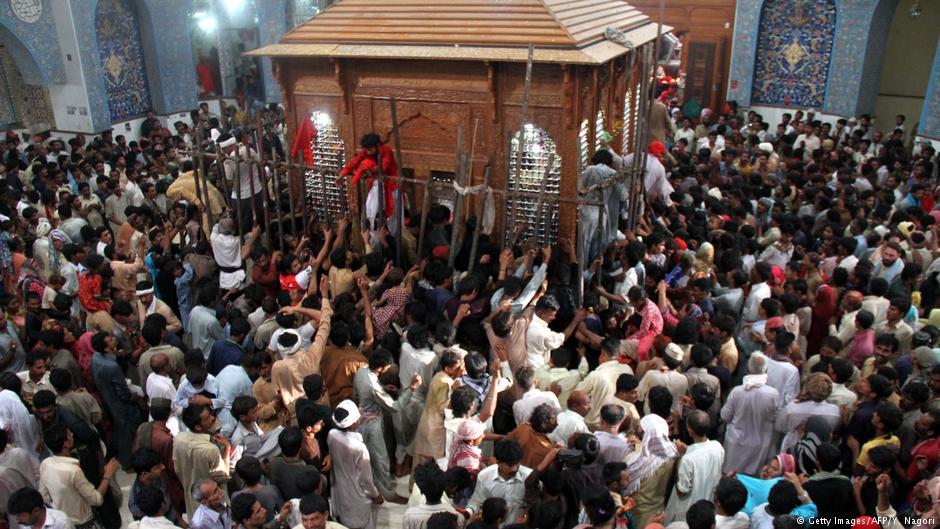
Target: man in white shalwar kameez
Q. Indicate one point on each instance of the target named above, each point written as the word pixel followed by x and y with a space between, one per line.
pixel 699 468
pixel 750 413
pixel 16 420
pixel 354 497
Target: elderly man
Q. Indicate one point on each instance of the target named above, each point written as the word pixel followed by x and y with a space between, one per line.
pixel 230 254
pixel 750 412
pixel 571 421
pixel 211 512
pixel 601 384
pixel 147 304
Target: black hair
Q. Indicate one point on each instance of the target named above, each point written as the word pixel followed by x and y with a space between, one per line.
pixel 290 440
pixel 890 416
pixel 25 501
pixel 494 509
pixel 192 416
pixel 829 456
pixel 242 405
pixel 782 498
pixel 55 436
pixel 144 460
pixel 430 481
pixel 700 515
pixel 313 503
pixel 248 469
pixel 507 452
pixel 242 506
pixel 731 495
pixel 660 401
pixel 61 379
pixel 150 500
pixel 462 400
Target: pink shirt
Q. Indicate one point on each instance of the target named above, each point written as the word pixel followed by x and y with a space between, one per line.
pixel 861 347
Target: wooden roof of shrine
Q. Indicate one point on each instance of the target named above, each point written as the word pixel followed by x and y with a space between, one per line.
pixel 562 31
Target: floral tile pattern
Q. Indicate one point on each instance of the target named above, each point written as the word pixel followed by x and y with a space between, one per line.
pixel 121 56
pixel 794 45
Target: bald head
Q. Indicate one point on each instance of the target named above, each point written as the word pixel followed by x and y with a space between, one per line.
pixel 159 363
pixel 579 402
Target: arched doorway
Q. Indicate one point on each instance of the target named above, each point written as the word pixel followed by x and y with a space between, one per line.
pixel 121 55
pixel 22 103
pixel 906 68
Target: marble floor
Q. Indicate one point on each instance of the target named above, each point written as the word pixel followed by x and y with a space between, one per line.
pixel 390 514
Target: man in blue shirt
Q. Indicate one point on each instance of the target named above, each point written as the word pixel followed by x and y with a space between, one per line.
pixel 115 393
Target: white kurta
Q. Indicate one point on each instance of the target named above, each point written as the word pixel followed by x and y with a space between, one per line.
pixel 353 488
pixel 795 414
pixel 697 477
pixel 749 413
pixel 15 418
pixel 601 384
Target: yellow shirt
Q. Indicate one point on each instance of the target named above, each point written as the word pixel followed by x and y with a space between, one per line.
pixel 876 441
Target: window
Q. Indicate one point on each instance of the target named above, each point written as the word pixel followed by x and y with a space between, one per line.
pixel 322 192
pixel 540 162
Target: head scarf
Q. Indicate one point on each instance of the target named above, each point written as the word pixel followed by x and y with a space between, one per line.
pixel 57 235
pixel 43 228
pixel 351 416
pixel 816 388
pixel 655 451
pixel 657 149
pixel 816 431
pixel 704 258
pixel 787 464
pixel 463 454
pixel 382 317
pixel 286 351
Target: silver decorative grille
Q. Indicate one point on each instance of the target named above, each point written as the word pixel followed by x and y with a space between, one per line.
pixel 583 143
pixel 322 192
pixel 539 149
pixel 599 129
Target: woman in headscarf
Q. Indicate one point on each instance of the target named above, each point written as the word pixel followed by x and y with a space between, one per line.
pixel 650 471
pixel 54 262
pixel 816 431
pixel 758 488
pixel 823 310
pixel 704 260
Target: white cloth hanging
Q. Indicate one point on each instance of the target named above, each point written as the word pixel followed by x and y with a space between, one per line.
pixel 489 205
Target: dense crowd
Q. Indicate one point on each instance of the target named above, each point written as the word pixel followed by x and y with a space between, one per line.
pixel 759 350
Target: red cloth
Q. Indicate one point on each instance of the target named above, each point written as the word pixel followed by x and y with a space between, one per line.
pixel 823 310
pixel 363 164
pixel 88 287
pixel 303 143
pixel 929 449
pixel 657 149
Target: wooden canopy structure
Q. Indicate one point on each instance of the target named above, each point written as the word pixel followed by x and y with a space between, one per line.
pixel 460 65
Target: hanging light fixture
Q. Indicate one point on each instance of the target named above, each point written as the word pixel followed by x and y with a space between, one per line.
pixel 916 10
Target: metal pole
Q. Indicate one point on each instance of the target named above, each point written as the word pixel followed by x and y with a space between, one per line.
pixel 302 172
pixel 380 188
pixel 207 204
pixel 277 198
pixel 541 200
pixel 458 206
pixel 522 139
pixel 476 229
pixel 265 195
pixel 399 201
pixel 237 185
pixel 290 197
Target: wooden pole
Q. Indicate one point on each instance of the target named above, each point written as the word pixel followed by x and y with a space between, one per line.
pixel 522 139
pixel 277 198
pixel 426 204
pixel 481 200
pixel 458 207
pixel 237 185
pixel 302 173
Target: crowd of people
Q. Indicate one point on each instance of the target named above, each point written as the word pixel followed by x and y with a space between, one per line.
pixel 759 350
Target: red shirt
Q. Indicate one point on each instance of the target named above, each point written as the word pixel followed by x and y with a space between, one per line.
pixel 90 286
pixel 929 449
pixel 267 278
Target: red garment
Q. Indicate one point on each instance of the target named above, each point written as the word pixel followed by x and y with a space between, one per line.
pixel 88 287
pixel 267 279
pixel 206 81
pixel 363 164
pixel 861 348
pixel 651 324
pixel 823 310
pixel 929 449
pixel 304 141
pixel 657 149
